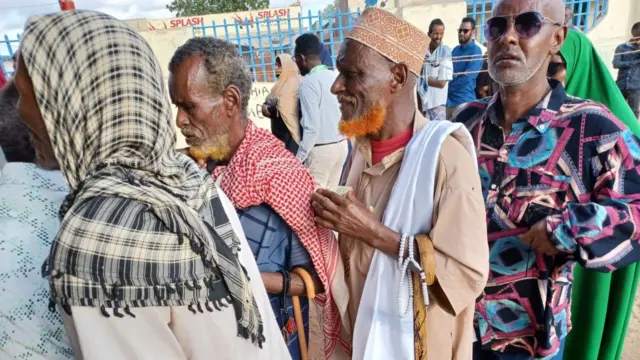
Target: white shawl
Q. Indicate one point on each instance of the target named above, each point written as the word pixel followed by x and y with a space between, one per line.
pixel 380 332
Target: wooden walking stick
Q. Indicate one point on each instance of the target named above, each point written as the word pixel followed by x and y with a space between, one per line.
pixel 297 310
pixel 428 263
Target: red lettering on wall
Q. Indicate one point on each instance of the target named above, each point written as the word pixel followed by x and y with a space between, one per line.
pixel 184 22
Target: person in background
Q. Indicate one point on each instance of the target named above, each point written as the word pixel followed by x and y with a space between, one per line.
pixel 323 149
pixel 30 197
pixel 376 85
pixel 467 63
pixel 601 302
pixel 147 243
pixel 282 103
pixel 485 86
pixel 568 18
pixel 3 79
pixel 437 71
pixel 14 133
pixel 560 181
pixel 270 189
pixel 627 60
pixel 325 57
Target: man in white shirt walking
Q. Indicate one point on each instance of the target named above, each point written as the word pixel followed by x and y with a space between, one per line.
pixel 437 72
pixel 322 149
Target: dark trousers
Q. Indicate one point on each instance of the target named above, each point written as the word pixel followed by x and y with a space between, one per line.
pixel 479 354
pixel 633 99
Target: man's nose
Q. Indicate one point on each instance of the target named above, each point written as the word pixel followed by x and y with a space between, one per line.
pixel 182 119
pixel 338 85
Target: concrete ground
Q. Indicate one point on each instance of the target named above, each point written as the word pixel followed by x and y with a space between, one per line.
pixel 632 342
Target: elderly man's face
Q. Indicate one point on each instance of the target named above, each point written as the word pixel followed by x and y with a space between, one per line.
pixel 513 58
pixel 30 113
pixel 201 116
pixel 363 89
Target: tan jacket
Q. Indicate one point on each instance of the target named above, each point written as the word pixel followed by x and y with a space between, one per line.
pixel 459 236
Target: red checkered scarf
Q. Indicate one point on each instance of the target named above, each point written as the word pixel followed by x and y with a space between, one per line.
pixel 262 171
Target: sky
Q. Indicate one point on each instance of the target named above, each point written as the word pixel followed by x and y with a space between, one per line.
pixel 13 14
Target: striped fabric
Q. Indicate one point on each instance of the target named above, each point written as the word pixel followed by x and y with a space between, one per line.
pixel 143 225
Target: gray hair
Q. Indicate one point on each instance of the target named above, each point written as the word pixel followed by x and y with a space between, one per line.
pixel 14 136
pixel 223 64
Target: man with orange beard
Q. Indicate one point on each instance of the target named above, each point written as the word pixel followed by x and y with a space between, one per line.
pixel 388 225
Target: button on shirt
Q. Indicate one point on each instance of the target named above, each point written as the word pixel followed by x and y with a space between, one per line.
pixel 462 88
pixel 628 65
pixel 568 162
pixel 320 110
pixel 29 202
pixel 437 65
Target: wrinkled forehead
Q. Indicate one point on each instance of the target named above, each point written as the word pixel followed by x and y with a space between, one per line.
pixel 357 56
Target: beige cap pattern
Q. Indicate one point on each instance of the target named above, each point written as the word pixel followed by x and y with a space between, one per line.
pixel 396 39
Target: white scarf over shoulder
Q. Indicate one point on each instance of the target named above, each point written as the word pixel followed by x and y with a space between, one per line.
pixel 380 332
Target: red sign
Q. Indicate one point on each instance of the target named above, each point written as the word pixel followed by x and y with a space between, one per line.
pixel 264 14
pixel 182 22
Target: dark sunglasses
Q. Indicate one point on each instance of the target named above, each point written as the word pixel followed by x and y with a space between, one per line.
pixel 527 25
pixel 555 68
pixel 464 31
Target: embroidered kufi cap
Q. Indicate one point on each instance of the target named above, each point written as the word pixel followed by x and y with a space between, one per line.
pixel 396 39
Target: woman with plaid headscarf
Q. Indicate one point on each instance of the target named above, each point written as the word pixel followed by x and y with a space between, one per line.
pixel 150 260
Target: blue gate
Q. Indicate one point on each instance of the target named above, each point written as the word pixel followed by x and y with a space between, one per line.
pixel 260 41
pixel 8 47
pixel 586 13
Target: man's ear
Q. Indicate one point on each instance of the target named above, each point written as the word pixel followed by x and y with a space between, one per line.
pixel 232 98
pixel 399 76
pixel 559 36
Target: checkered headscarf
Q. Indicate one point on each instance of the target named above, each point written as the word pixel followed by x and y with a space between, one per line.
pixel 143 225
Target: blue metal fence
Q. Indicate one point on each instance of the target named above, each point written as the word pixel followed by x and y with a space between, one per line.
pixel 260 41
pixel 8 47
pixel 586 13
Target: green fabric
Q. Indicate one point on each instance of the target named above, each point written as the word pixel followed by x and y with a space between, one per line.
pixel 601 303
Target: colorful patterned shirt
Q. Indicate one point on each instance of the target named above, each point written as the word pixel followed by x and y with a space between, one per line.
pixel 29 202
pixel 568 162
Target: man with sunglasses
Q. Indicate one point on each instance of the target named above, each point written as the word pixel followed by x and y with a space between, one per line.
pixel 467 62
pixel 559 180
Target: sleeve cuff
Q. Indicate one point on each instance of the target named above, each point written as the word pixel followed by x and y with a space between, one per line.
pixel 560 234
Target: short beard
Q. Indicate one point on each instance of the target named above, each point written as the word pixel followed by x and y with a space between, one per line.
pixel 517 78
pixel 368 124
pixel 218 150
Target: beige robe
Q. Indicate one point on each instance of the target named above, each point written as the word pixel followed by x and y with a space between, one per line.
pixel 459 235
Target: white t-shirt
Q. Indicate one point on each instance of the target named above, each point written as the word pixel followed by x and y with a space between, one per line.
pixel 438 65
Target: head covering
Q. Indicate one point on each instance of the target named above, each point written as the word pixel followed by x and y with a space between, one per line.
pixel 286 91
pixel 603 302
pixel 262 171
pixel 396 39
pixel 139 213
pixel 589 78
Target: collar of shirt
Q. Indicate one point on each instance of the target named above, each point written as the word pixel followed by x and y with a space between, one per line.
pixel 30 175
pixel 364 146
pixel 318 68
pixel 541 115
pixel 471 43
